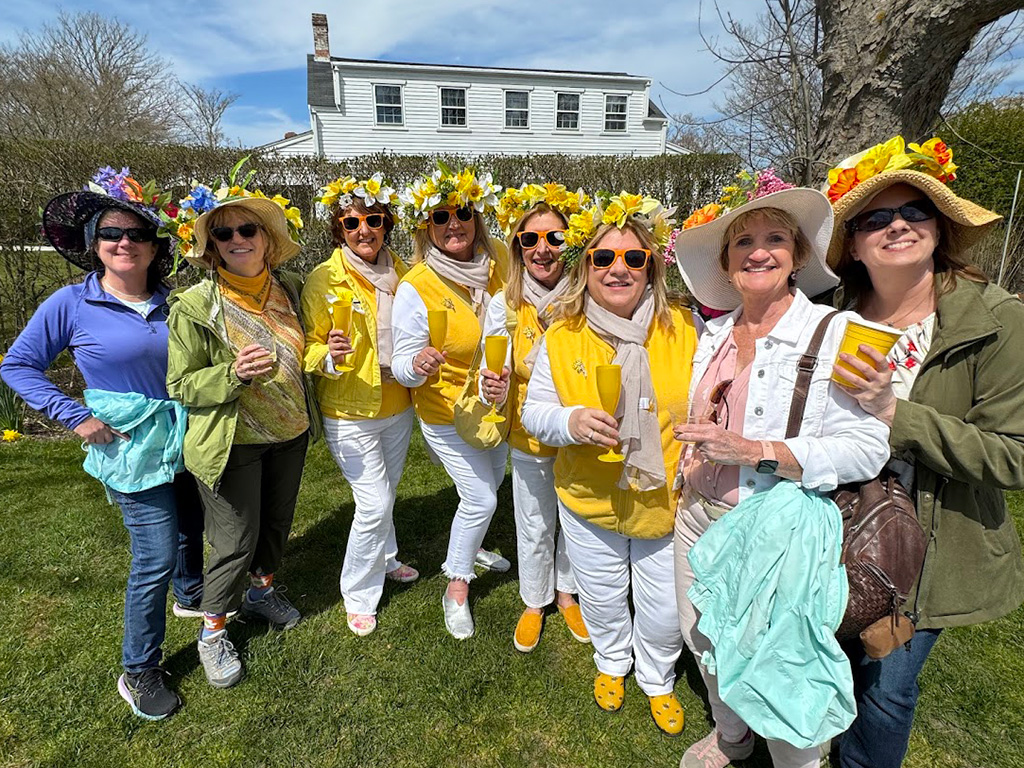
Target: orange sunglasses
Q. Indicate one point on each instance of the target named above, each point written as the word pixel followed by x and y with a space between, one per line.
pixel 633 258
pixel 353 222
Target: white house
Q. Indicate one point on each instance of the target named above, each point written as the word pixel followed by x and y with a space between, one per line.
pixel 359 107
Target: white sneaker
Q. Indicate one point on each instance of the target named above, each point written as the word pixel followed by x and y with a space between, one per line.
pixel 457 618
pixel 492 561
pixel 184 612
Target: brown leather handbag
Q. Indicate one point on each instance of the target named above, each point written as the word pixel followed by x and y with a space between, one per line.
pixel 883 544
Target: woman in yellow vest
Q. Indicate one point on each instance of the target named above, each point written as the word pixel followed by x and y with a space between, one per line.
pixel 367 415
pixel 617 518
pixel 458 268
pixel 535 219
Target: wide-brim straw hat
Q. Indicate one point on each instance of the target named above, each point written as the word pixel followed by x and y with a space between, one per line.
pixel 66 215
pixel 698 249
pixel 269 214
pixel 970 218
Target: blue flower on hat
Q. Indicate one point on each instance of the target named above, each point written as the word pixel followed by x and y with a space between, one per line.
pixel 114 183
pixel 200 199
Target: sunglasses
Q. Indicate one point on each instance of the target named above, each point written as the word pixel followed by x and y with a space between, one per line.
pixel 880 218
pixel 530 240
pixel 441 217
pixel 135 234
pixel 634 258
pixel 373 221
pixel 719 404
pixel 223 234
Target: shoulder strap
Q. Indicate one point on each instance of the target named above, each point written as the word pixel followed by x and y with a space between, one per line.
pixel 805 368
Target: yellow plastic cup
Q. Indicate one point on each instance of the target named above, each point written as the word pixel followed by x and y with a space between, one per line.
pixel 879 337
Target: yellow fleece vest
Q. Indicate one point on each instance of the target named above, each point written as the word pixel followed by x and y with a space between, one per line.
pixel 436 406
pixel 589 487
pixel 360 393
pixel 526 334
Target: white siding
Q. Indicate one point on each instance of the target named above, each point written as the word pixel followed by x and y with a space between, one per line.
pixel 296 146
pixel 350 129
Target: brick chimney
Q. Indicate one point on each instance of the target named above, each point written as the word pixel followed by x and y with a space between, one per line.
pixel 321 42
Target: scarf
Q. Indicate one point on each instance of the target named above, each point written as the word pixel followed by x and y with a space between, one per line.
pixel 384 279
pixel 540 297
pixel 473 274
pixel 250 293
pixel 644 467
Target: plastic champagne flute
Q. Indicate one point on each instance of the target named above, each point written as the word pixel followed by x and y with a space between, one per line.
pixel 495 348
pixel 609 388
pixel 341 318
pixel 437 322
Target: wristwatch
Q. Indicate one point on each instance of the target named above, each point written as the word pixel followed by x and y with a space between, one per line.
pixel 768 463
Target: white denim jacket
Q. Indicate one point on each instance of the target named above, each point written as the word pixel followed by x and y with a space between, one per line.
pixel 839 442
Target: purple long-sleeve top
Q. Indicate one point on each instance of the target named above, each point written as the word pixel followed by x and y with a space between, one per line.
pixel 115 348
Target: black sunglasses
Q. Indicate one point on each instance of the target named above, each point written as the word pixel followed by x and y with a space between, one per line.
pixel 373 221
pixel 223 234
pixel 135 234
pixel 441 217
pixel 880 218
pixel 555 238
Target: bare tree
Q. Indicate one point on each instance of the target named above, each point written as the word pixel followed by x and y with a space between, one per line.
pixel 697 135
pixel 200 123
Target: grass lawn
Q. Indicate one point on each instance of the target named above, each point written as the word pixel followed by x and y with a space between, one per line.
pixel 408 695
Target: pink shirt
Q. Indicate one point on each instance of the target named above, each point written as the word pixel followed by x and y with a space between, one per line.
pixel 719 483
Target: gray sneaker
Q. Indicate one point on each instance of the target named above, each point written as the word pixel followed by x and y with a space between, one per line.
pixel 274 608
pixel 220 660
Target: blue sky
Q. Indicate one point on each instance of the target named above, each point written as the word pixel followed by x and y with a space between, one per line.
pixel 258 49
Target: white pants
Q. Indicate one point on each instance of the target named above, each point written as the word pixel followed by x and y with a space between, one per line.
pixel 371 454
pixel 477 475
pixel 691 522
pixel 543 563
pixel 606 564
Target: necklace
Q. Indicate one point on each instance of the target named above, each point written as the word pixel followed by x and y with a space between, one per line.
pixel 257 297
pixel 896 321
pixel 145 296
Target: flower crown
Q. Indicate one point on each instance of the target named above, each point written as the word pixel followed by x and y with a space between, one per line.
pixel 749 186
pixel 373 190
pixel 445 187
pixel 203 198
pixel 515 203
pixel 933 158
pixel 617 210
pixel 121 186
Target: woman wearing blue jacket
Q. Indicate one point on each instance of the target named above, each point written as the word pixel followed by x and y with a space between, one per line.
pixel 114 324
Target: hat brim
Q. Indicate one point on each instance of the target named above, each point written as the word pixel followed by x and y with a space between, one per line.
pixel 971 218
pixel 270 214
pixel 66 215
pixel 698 249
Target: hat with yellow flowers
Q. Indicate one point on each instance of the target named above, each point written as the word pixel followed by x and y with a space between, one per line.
pixel 446 187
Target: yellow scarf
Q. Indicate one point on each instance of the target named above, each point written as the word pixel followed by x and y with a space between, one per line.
pixel 251 293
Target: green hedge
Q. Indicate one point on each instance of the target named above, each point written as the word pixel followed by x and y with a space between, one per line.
pixel 31 172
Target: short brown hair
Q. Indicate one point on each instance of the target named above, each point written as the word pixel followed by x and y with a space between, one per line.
pixel 802 246
pixel 360 206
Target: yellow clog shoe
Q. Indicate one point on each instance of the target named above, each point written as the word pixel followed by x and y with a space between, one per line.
pixel 574 621
pixel 609 692
pixel 527 634
pixel 667 713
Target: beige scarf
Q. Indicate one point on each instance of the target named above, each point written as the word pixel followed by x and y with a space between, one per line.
pixel 384 279
pixel 540 297
pixel 644 468
pixel 474 274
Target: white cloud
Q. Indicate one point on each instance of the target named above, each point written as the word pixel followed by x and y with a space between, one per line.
pixel 252 126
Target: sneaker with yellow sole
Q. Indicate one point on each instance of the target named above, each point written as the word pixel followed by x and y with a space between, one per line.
pixel 609 692
pixel 528 629
pixel 667 713
pixel 574 621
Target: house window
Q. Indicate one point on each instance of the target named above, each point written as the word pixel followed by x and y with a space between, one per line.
pixel 453 107
pixel 517 109
pixel 615 111
pixel 388 102
pixel 567 111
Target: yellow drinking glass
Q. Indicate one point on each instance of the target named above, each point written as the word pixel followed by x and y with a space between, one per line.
pixel 609 388
pixel 437 322
pixel 495 348
pixel 341 318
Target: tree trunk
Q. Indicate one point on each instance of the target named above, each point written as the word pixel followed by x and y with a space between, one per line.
pixel 887 64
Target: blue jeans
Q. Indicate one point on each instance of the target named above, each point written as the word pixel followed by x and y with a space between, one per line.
pixel 166 532
pixel 886 692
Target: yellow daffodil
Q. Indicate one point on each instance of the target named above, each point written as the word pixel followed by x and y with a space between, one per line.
pixel 630 203
pixel 282 201
pixel 10 435
pixel 614 214
pixel 294 217
pixel 186 231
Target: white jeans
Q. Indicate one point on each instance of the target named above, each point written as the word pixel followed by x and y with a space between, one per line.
pixel 477 475
pixel 606 565
pixel 371 454
pixel 543 563
pixel 691 522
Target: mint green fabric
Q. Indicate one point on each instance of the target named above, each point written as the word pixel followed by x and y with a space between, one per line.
pixel 771 593
pixel 151 455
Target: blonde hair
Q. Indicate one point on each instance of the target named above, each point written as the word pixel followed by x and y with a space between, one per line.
pixel 421 240
pixel 516 268
pixel 217 216
pixel 571 303
pixel 801 245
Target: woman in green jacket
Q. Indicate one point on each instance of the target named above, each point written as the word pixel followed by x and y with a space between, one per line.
pixel 950 390
pixel 235 360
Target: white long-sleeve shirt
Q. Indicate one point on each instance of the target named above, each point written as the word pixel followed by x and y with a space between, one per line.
pixel 410 334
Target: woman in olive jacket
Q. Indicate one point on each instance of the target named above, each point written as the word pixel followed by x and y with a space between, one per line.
pixel 952 390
